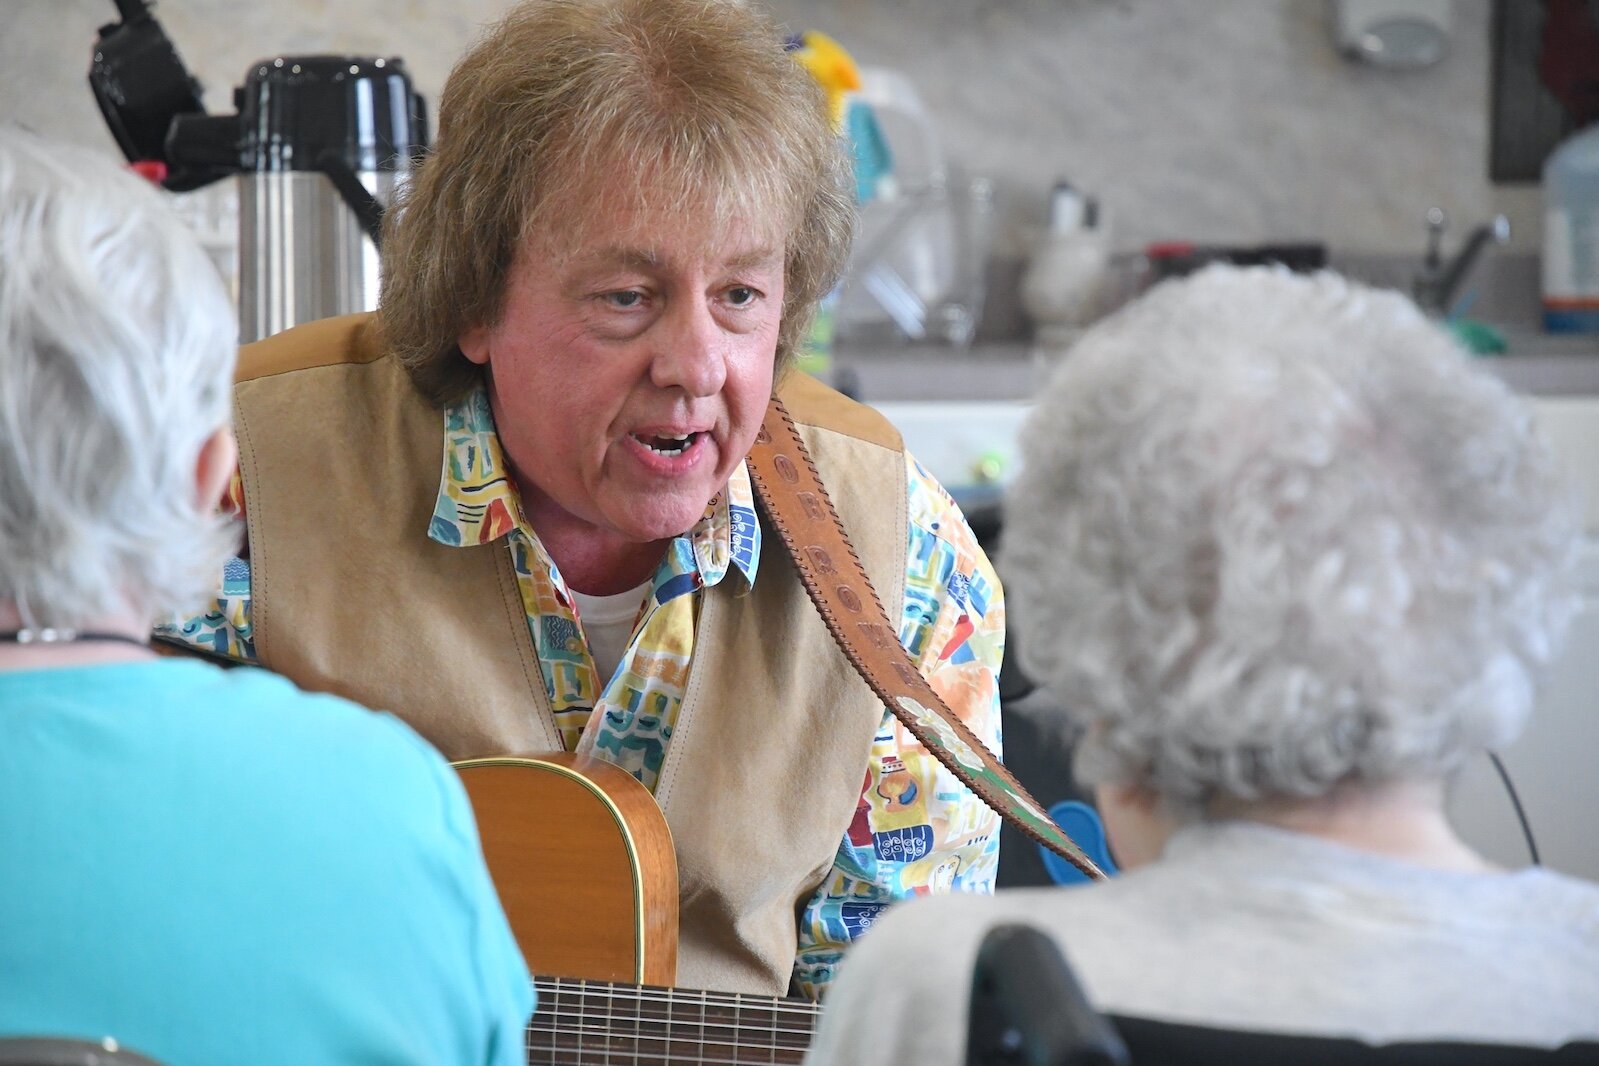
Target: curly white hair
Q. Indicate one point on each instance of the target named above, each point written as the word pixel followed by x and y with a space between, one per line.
pixel 1274 532
pixel 117 345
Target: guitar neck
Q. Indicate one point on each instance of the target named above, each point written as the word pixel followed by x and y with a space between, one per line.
pixel 579 1022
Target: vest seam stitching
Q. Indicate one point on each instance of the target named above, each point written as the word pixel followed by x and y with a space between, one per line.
pixel 260 608
pixel 840 432
pixel 518 617
pixel 352 349
pixel 336 365
pixel 666 782
pixel 902 519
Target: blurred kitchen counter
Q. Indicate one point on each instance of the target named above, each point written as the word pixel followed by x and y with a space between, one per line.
pixel 1548 364
pixel 981 373
pixel 1503 289
pixel 1538 364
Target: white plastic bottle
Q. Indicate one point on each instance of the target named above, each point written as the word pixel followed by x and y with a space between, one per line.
pixel 1062 283
pixel 1571 234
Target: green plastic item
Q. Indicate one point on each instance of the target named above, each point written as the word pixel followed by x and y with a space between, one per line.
pixel 815 355
pixel 1478 338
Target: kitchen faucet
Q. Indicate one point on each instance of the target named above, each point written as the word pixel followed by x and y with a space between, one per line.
pixel 1436 284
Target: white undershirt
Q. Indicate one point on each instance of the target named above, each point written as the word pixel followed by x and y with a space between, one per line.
pixel 607 624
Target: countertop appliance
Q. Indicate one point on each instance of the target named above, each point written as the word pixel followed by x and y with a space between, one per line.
pixel 316 145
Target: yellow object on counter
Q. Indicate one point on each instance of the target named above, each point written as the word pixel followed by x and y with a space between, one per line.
pixel 832 67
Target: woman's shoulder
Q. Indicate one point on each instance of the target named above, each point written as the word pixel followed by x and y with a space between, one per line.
pixel 258 735
pixel 903 988
pixel 945 930
pixel 280 721
pixel 1559 898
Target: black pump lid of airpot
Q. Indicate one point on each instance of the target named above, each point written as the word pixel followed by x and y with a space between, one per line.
pixel 293 109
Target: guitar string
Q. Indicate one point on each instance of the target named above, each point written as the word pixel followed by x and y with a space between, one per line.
pixel 738 1057
pixel 652 994
pixel 578 1055
pixel 778 1006
pixel 574 1044
pixel 669 1051
pixel 555 1002
pixel 667 994
pixel 611 1037
pixel 645 998
pixel 597 1029
pixel 604 1027
pixel 778 1054
pixel 608 1020
pixel 779 1044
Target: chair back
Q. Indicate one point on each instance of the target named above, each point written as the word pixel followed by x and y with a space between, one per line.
pixel 1153 1042
pixel 1027 1008
pixel 63 1051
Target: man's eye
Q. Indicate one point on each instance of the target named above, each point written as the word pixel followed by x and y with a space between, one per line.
pixel 741 295
pixel 624 299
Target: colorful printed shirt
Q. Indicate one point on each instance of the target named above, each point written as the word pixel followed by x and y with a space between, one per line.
pixel 917 830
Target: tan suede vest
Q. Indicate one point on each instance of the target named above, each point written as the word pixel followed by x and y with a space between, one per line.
pixel 341 460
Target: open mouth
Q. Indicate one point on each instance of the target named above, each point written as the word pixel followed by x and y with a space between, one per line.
pixel 668 444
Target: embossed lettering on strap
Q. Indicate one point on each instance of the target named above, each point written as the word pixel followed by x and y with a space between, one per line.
pixel 790 490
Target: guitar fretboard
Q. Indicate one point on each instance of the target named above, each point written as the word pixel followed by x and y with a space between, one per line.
pixel 578 1023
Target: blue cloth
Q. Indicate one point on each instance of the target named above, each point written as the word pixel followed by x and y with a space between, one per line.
pixel 213 867
pixel 1083 825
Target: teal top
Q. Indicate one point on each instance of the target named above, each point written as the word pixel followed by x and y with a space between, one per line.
pixel 213 867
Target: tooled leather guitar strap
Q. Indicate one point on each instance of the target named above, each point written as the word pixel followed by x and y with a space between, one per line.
pixel 791 491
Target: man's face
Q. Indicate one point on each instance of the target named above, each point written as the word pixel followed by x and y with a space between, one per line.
pixel 630 370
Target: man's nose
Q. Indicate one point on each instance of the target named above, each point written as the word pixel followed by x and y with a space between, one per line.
pixel 691 350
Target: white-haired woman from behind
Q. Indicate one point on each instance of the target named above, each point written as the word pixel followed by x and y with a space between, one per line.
pixel 206 865
pixel 1288 561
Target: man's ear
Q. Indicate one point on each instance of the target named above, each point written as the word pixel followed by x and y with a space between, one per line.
pixel 213 470
pixel 474 344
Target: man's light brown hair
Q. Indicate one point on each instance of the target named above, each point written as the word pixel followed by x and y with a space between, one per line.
pixel 688 104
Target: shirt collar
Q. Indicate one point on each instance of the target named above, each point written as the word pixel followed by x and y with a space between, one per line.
pixel 478 503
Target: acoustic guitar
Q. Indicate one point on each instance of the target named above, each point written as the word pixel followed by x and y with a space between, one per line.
pixel 583 862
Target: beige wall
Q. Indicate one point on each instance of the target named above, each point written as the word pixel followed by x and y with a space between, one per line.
pixel 1221 120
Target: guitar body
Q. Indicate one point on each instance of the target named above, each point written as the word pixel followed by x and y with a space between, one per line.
pixel 583 862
